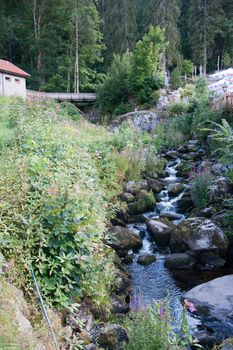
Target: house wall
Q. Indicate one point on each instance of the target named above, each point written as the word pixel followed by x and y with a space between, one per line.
pixel 13 85
pixel 1 83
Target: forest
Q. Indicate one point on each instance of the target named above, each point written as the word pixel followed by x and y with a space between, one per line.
pixel 67 45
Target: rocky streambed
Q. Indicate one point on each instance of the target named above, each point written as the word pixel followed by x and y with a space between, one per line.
pixel 169 246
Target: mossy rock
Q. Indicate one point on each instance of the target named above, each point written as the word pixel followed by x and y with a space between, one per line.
pixel 144 201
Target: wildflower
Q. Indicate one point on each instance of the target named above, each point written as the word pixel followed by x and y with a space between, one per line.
pixel 189 306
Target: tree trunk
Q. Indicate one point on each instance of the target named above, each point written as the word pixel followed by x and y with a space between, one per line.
pixel 76 67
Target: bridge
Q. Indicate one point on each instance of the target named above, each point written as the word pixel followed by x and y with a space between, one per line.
pixel 79 98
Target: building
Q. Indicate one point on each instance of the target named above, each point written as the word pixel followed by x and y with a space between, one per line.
pixel 12 80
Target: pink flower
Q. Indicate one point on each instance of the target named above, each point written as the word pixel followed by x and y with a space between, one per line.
pixel 189 305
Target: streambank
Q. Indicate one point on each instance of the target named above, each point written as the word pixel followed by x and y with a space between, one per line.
pixel 178 245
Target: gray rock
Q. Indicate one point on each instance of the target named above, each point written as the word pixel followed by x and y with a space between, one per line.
pixel 109 336
pixel 179 261
pixel 198 235
pixel 160 231
pixel 119 306
pixel 146 259
pixel 123 239
pixel 214 303
pixel 138 120
pixel 211 259
pixel 172 155
pixel 90 347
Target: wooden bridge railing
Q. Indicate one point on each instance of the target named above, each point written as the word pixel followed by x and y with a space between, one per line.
pixel 222 101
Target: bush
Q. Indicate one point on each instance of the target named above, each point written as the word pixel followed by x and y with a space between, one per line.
pixel 177 108
pixel 176 81
pixel 200 181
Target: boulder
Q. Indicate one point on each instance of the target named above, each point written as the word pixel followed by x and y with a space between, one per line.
pixel 212 260
pixel 144 201
pixel 185 203
pixel 179 261
pixel 160 231
pixel 219 190
pixel 123 239
pixel 198 235
pixel 175 189
pixel 214 304
pixel 109 336
pixel 119 306
pixel 172 155
pixel 155 185
pixel 146 259
pixel 183 169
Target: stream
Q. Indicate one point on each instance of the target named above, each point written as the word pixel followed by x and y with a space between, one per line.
pixel 155 282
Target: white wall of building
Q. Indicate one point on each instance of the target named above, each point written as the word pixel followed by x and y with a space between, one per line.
pixel 1 83
pixel 12 85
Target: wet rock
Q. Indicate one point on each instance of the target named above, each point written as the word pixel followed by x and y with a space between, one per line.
pixel 211 259
pixel 144 201
pixel 128 197
pixel 155 185
pixel 110 337
pixel 123 240
pixel 175 189
pixel 179 261
pixel 214 303
pixel 170 216
pixel 160 231
pixel 219 190
pixel 206 213
pixel 128 259
pixel 146 259
pixel 134 187
pixel 199 235
pixel 122 283
pixel 185 203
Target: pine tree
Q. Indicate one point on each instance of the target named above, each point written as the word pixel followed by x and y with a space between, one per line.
pixel 165 14
pixel 205 18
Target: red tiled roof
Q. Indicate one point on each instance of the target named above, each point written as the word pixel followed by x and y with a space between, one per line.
pixel 10 68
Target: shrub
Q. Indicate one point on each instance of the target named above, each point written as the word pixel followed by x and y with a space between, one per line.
pixel 176 81
pixel 152 328
pixel 177 108
pixel 200 181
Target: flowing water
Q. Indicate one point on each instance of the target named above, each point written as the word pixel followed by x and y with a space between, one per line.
pixel 155 282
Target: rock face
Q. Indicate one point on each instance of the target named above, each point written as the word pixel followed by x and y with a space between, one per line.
pixel 214 303
pixel 138 120
pixel 199 235
pixel 219 190
pixel 124 240
pixel 160 231
pixel 109 337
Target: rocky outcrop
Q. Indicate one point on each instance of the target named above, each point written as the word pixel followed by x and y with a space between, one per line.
pixel 109 337
pixel 219 190
pixel 138 120
pixel 160 231
pixel 199 235
pixel 214 304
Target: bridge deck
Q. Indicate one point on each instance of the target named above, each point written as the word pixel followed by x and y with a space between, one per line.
pixel 62 96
